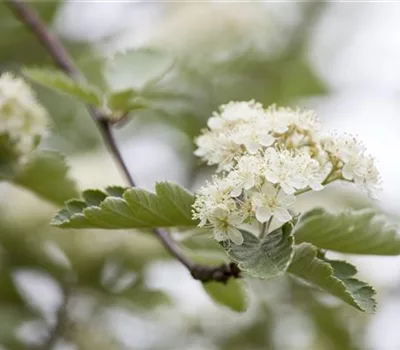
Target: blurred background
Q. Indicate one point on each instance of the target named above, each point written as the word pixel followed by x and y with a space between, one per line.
pixel 96 289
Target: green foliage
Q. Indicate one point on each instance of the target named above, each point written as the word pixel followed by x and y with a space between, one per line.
pixel 125 101
pixel 354 232
pixel 231 294
pixel 119 208
pixel 45 174
pixel 334 277
pixel 8 156
pixel 266 257
pixel 23 48
pixel 83 92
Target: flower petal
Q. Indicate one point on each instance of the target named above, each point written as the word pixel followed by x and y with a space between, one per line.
pixel 286 199
pixel 220 235
pixel 269 190
pixel 282 214
pixel 235 236
pixel 263 214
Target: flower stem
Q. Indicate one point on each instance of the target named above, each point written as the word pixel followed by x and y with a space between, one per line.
pixel 63 60
pixel 265 227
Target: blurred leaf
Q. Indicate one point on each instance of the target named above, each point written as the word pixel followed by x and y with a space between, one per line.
pixel 45 173
pixel 125 101
pixel 57 80
pixel 8 157
pixel 299 80
pixel 12 316
pixel 265 258
pixel 329 320
pixel 135 69
pixel 231 294
pixel 334 277
pixel 354 232
pixel 134 208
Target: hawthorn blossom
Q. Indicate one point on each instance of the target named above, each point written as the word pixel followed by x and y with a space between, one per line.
pixel 271 201
pixel 225 225
pixel 246 175
pixel 292 170
pixel 349 155
pixel 23 121
pixel 266 158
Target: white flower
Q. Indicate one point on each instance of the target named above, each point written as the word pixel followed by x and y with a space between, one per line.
pixel 307 120
pixel 283 168
pixel 355 165
pixel 254 135
pixel 267 157
pixel 225 225
pixel 237 124
pixel 282 118
pixel 344 147
pixel 311 172
pixel 246 174
pixel 270 201
pixel 218 148
pixel 215 194
pixel 235 112
pixel 22 119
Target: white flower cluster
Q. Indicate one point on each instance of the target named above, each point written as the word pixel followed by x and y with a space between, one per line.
pixel 23 121
pixel 266 157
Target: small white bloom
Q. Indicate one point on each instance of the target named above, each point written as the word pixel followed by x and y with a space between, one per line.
pixel 356 166
pixel 344 147
pixel 307 120
pixel 270 201
pixel 311 173
pixel 254 135
pixel 22 119
pixel 280 118
pixel 218 148
pixel 225 226
pixel 283 168
pixel 246 174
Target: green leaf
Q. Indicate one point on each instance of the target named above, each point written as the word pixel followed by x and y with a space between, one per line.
pixel 334 277
pixel 231 294
pixel 136 69
pixel 45 173
pixel 120 208
pixel 125 100
pixel 265 258
pixel 354 232
pixel 56 80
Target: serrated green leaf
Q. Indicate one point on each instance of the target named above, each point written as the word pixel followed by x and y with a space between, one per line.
pixel 354 232
pixel 135 69
pixel 120 208
pixel 45 173
pixel 231 294
pixel 56 80
pixel 334 277
pixel 265 258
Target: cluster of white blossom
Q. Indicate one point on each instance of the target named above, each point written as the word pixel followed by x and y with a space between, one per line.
pixel 265 158
pixel 23 121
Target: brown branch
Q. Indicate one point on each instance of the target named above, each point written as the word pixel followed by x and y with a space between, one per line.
pixel 63 60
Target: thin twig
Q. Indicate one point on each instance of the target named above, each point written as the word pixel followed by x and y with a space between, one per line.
pixel 62 59
pixel 61 321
